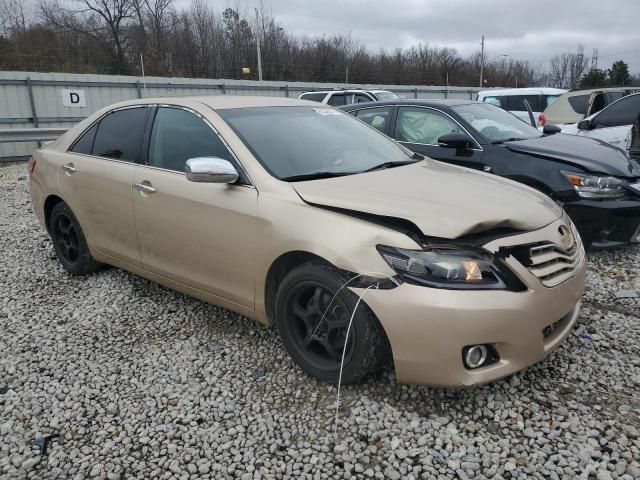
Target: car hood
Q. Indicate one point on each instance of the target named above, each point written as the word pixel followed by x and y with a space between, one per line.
pixel 588 153
pixel 442 200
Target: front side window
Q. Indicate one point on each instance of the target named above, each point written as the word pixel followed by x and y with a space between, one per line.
pixel 179 135
pixel 120 134
pixel 494 123
pixel 298 141
pixel 423 125
pixel 623 112
pixel 376 117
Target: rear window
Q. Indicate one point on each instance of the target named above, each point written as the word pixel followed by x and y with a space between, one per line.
pixel 549 99
pixel 515 103
pixel 315 97
pixel 120 134
pixel 579 103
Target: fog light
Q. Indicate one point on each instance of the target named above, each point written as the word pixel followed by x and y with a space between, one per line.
pixel 475 356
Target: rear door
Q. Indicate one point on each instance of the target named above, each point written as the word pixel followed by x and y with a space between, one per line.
pixel 418 128
pixel 198 234
pixel 613 123
pixel 96 181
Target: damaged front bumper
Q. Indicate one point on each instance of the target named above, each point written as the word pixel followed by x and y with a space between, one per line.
pixel 606 221
pixel 429 328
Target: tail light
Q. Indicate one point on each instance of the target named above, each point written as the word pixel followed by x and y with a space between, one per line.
pixel 542 119
pixel 31 166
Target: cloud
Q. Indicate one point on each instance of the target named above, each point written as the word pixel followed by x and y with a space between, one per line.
pixel 532 30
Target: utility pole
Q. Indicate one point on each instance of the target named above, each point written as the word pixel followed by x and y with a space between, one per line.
pixel 258 47
pixel 481 61
pixel 346 75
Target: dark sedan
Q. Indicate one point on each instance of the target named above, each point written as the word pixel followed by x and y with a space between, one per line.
pixel 597 184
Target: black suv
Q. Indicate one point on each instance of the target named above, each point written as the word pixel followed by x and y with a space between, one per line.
pixel 597 184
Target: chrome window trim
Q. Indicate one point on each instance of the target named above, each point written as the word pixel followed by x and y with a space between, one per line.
pixel 97 120
pixel 158 105
pixel 479 149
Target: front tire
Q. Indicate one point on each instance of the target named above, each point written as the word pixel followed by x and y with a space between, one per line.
pixel 69 242
pixel 317 344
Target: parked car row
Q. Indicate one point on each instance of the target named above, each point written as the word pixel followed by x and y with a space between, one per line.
pixel 595 183
pixel 340 229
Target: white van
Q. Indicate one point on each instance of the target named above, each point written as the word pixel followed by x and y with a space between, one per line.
pixel 512 100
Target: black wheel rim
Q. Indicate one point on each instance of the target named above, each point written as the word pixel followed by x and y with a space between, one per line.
pixel 67 239
pixel 318 323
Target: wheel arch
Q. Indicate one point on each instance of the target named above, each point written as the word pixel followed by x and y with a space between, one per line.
pixel 49 204
pixel 279 268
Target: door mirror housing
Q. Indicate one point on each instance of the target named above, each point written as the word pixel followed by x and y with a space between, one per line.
pixel 551 129
pixel 585 125
pixel 459 141
pixel 210 170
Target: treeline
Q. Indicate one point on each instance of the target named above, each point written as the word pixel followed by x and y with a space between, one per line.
pixel 156 37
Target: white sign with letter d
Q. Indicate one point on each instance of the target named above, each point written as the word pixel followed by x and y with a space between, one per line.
pixel 73 98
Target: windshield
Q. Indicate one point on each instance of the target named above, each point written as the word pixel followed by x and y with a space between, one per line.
pixel 385 95
pixel 298 141
pixel 494 123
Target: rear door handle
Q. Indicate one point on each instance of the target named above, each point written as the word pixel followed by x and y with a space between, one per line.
pixel 69 168
pixel 144 188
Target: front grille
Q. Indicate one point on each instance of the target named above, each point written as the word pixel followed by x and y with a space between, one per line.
pixel 553 265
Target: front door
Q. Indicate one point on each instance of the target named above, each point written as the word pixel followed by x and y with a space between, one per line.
pixel 96 181
pixel 418 128
pixel 198 234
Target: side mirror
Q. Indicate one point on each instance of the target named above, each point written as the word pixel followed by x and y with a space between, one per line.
pixel 551 129
pixel 584 125
pixel 459 141
pixel 210 170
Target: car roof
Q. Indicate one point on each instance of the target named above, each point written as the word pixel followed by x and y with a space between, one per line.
pixel 523 91
pixel 423 102
pixel 222 102
pixel 583 91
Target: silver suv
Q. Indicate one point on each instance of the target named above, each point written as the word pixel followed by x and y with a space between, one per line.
pixel 338 98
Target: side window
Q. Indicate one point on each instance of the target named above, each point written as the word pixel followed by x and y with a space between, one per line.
pixel 549 99
pixel 120 134
pixel 85 143
pixel 360 98
pixel 515 103
pixel 337 100
pixel 579 103
pixel 423 125
pixel 376 117
pixel 497 101
pixel 623 112
pixel 316 97
pixel 179 135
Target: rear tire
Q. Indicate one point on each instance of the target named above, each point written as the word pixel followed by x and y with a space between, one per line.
pixel 315 343
pixel 69 242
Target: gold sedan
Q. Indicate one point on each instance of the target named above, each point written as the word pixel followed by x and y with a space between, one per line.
pixel 299 215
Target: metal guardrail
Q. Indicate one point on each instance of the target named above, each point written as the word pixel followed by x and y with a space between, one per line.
pixel 10 135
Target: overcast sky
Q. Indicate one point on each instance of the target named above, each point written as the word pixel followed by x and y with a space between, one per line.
pixel 530 30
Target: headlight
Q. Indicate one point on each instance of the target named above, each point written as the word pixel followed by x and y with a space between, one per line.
pixel 444 267
pixel 595 186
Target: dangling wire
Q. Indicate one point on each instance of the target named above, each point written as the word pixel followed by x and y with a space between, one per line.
pixel 344 349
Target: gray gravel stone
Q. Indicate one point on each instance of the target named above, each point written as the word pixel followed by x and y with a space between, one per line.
pixel 144 382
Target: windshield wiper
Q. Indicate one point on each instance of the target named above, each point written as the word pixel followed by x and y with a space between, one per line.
pixel 315 176
pixel 393 164
pixel 511 139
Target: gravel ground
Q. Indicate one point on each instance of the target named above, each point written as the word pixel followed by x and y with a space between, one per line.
pixel 143 382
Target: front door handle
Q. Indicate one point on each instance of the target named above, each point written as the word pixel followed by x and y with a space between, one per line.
pixel 487 169
pixel 145 187
pixel 69 168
